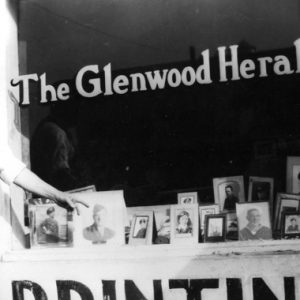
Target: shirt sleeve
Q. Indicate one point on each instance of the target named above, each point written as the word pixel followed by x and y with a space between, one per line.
pixel 10 166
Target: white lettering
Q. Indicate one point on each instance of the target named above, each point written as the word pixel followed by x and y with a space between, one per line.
pixel 282 65
pixel 157 80
pixel 246 67
pixel 223 64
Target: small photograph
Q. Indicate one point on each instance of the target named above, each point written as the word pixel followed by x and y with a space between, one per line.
pixel 184 223
pixel 141 231
pixel 231 226
pixel 229 191
pixel 260 189
pixel 285 203
pixel 215 228
pixel 293 174
pixel 204 210
pixel 187 198
pixel 291 225
pixel 161 221
pixel 49 226
pixel 103 222
pixel 254 221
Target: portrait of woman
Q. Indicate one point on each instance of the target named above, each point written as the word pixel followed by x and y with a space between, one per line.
pixel 184 223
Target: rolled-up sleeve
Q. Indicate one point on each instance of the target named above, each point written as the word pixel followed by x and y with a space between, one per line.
pixel 10 167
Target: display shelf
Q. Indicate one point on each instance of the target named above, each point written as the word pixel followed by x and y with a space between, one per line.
pixel 166 251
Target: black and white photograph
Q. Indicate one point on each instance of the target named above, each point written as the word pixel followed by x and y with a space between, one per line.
pixel 290 225
pixel 141 231
pixel 103 222
pixel 293 174
pixel 187 198
pixel 215 228
pixel 206 210
pixel 260 189
pixel 254 222
pixel 285 203
pixel 124 124
pixel 184 224
pixel 49 225
pixel 229 191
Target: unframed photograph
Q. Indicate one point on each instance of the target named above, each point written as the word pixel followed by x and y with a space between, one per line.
pixel 229 191
pixel 187 198
pixel 184 224
pixel 103 222
pixel 254 221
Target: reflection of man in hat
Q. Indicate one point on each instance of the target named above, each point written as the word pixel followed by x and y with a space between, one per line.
pixel 97 232
pixel 50 226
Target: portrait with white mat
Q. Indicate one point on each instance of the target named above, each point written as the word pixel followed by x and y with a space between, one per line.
pixel 103 222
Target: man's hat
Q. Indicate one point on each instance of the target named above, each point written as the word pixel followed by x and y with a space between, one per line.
pixel 97 208
pixel 50 210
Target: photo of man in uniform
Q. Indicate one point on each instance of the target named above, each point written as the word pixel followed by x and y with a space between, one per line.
pixel 49 227
pixel 98 233
pixel 231 199
pixel 293 227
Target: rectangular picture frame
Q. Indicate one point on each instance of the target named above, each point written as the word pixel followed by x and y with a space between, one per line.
pixel 254 221
pixel 215 228
pixel 206 209
pixel 231 226
pixel 141 230
pixel 290 228
pixel 184 224
pixel 233 185
pixel 293 174
pixel 50 226
pixel 187 198
pixel 285 202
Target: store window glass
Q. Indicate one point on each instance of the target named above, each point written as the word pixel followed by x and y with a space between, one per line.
pixel 153 136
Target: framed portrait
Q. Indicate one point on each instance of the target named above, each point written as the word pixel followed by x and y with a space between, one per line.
pixel 260 189
pixel 293 174
pixel 161 221
pixel 228 191
pixel 254 222
pixel 290 225
pixel 50 226
pixel 86 189
pixel 103 223
pixel 210 209
pixel 187 198
pixel 231 226
pixel 285 203
pixel 141 230
pixel 184 224
pixel 215 228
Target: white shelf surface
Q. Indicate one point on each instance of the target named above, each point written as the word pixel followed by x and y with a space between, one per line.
pixel 163 251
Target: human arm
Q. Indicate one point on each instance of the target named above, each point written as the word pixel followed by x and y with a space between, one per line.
pixel 29 181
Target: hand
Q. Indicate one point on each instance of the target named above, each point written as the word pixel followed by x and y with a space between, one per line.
pixel 70 201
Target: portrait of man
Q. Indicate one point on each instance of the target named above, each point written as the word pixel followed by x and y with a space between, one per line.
pixel 231 199
pixel 293 226
pixel 261 191
pixel 49 227
pixel 141 227
pixel 255 230
pixel 98 233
